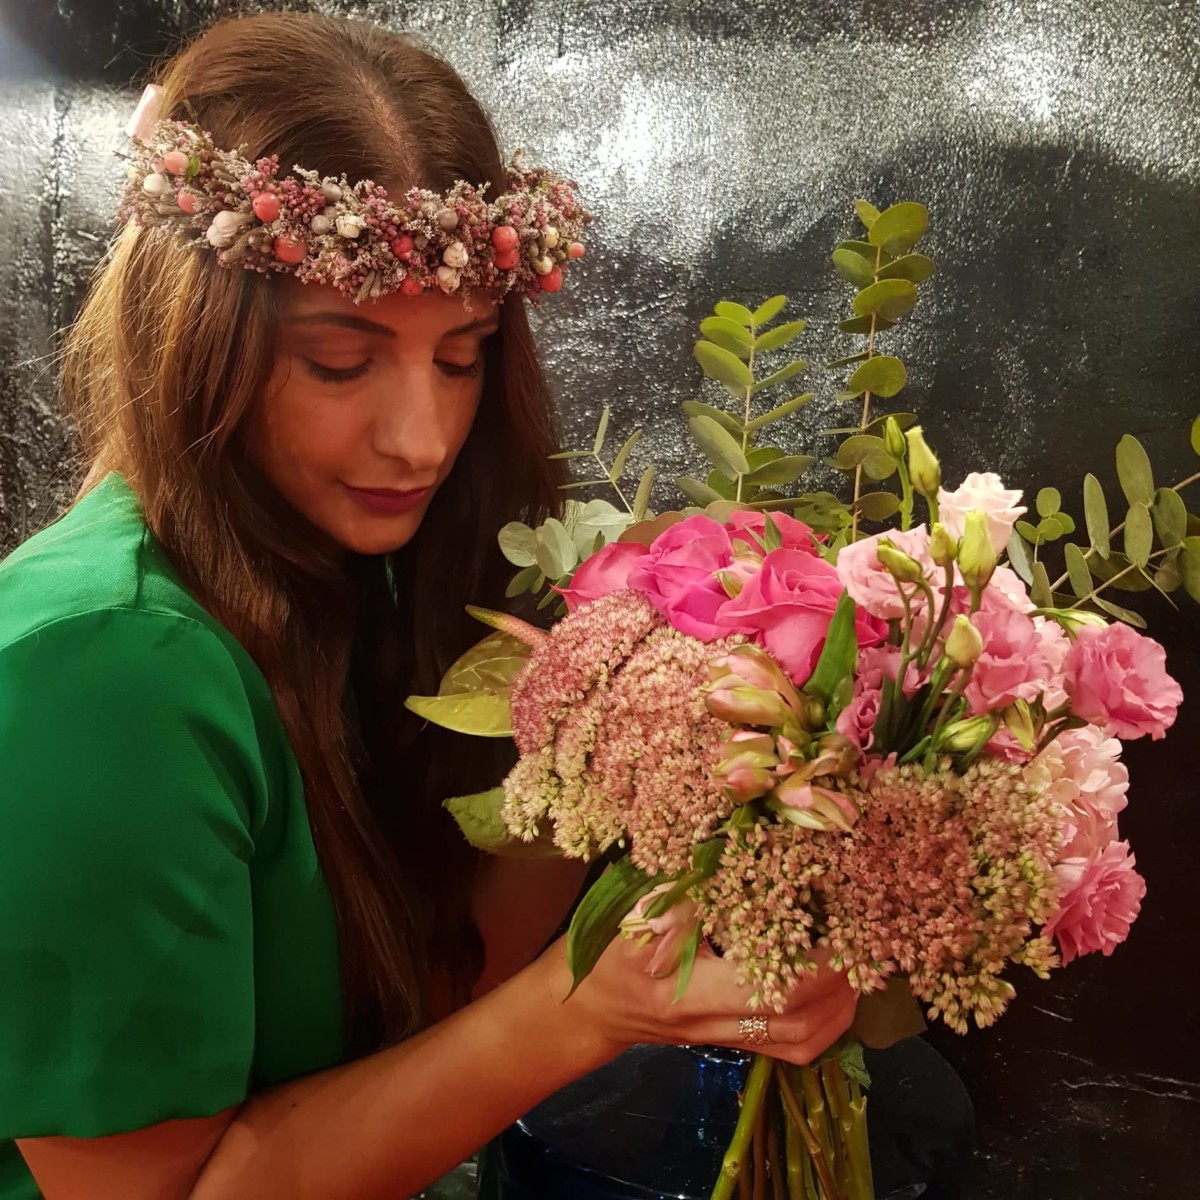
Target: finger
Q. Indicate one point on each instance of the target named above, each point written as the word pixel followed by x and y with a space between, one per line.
pixel 812 1041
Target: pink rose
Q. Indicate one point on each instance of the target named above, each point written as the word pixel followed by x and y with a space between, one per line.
pixel 857 720
pixel 795 534
pixel 871 585
pixel 1082 772
pixel 678 575
pixel 788 607
pixel 1101 898
pixel 981 492
pixel 1013 664
pixel 1117 679
pixel 605 571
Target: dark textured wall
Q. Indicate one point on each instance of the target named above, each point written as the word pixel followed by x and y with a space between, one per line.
pixel 1057 145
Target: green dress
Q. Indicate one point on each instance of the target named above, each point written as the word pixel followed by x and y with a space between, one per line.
pixel 167 940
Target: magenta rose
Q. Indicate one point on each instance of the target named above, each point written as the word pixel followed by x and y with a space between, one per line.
pixel 1101 898
pixel 1117 679
pixel 679 575
pixel 787 607
pixel 795 534
pixel 604 572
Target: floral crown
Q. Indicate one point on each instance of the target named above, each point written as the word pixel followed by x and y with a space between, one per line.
pixel 328 230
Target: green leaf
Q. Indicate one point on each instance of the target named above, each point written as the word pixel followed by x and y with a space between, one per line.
pixel 1118 569
pixel 1040 593
pixel 1133 471
pixel 570 454
pixel 876 427
pixel 619 462
pixel 868 214
pixel 484 714
pixel 720 483
pixel 855 450
pixel 517 543
pixel 598 917
pixel 641 499
pixel 861 356
pixel 687 960
pixel 694 408
pixel 916 268
pixel 1095 511
pixel 1196 435
pixel 859 247
pixel 1077 570
pixel 490 665
pixel 779 336
pixel 784 410
pixel 1018 558
pixel 735 312
pixel 724 367
pixel 1122 614
pixel 1189 566
pixel 718 446
pixel 697 492
pixel 762 455
pixel 1066 522
pixel 556 553
pixel 899 228
pixel 1029 533
pixel 838 656
pixel 883 376
pixel 523 581
pixel 601 430
pixel 1139 535
pixel 878 506
pixel 782 470
pixel 1167 577
pixel 729 335
pixel 784 373
pixel 1050 529
pixel 478 817
pixel 768 310
pixel 854 268
pixel 1049 501
pixel 580 483
pixel 863 324
pixel 1170 517
pixel 890 298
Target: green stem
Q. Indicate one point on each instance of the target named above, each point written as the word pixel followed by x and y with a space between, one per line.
pixel 866 412
pixel 934 631
pixel 775 1164
pixel 752 1101
pixel 814 1102
pixel 862 1147
pixel 616 487
pixel 746 419
pixel 797 1162
pixel 758 1142
pixel 1119 575
pixel 819 1163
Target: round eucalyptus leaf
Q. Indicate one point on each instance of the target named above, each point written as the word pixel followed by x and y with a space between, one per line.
pixel 898 229
pixel 889 298
pixel 882 375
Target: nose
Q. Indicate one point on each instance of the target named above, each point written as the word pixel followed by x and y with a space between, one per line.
pixel 413 423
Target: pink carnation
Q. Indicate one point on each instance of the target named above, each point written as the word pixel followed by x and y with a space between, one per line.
pixel 1117 679
pixel 870 584
pixel 604 572
pixel 981 492
pixel 1101 898
pixel 1013 664
pixel 678 575
pixel 787 607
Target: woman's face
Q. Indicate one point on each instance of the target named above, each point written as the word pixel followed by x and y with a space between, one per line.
pixel 368 406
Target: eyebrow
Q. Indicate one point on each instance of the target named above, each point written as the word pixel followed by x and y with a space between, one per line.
pixel 350 321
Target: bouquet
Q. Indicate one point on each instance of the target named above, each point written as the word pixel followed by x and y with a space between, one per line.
pixel 796 740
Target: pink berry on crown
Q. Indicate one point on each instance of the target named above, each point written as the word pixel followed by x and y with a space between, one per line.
pixel 186 201
pixel 176 162
pixel 290 250
pixel 402 247
pixel 552 281
pixel 576 250
pixel 505 260
pixel 505 237
pixel 266 206
pixel 411 286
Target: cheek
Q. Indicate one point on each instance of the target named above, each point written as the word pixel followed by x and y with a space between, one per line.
pixel 300 430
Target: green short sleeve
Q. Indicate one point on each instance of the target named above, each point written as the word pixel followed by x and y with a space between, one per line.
pixel 128 791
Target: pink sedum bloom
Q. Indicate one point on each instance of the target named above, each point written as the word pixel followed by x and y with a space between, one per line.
pixel 679 575
pixel 871 585
pixel 787 608
pixel 1117 679
pixel 605 572
pixel 1101 898
pixel 982 492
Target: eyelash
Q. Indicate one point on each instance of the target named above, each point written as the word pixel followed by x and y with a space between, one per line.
pixel 346 375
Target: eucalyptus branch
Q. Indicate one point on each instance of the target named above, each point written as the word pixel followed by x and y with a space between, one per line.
pixel 746 416
pixel 866 409
pixel 1119 575
pixel 616 487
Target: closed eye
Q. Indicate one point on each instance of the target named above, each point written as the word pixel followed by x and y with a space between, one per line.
pixel 336 374
pixel 458 370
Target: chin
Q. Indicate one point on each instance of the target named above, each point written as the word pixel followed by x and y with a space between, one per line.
pixel 380 537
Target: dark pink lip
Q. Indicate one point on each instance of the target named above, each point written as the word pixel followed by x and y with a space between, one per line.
pixel 387 501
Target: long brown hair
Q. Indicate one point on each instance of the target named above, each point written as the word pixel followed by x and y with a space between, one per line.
pixel 168 356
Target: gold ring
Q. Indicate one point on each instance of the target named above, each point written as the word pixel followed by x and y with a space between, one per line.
pixel 753 1031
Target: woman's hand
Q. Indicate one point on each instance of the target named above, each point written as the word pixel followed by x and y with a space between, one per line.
pixel 622 1005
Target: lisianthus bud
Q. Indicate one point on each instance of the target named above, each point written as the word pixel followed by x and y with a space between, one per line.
pixel 893 438
pixel 923 467
pixel 976 558
pixel 968 734
pixel 943 548
pixel 1019 721
pixel 803 803
pixel 743 705
pixel 1074 619
pixel 965 644
pixel 902 567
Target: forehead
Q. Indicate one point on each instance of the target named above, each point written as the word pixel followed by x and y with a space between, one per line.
pixel 431 313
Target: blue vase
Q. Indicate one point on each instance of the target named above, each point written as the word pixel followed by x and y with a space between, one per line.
pixel 654 1125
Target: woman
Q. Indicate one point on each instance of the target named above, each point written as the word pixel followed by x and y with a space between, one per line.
pixel 244 953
